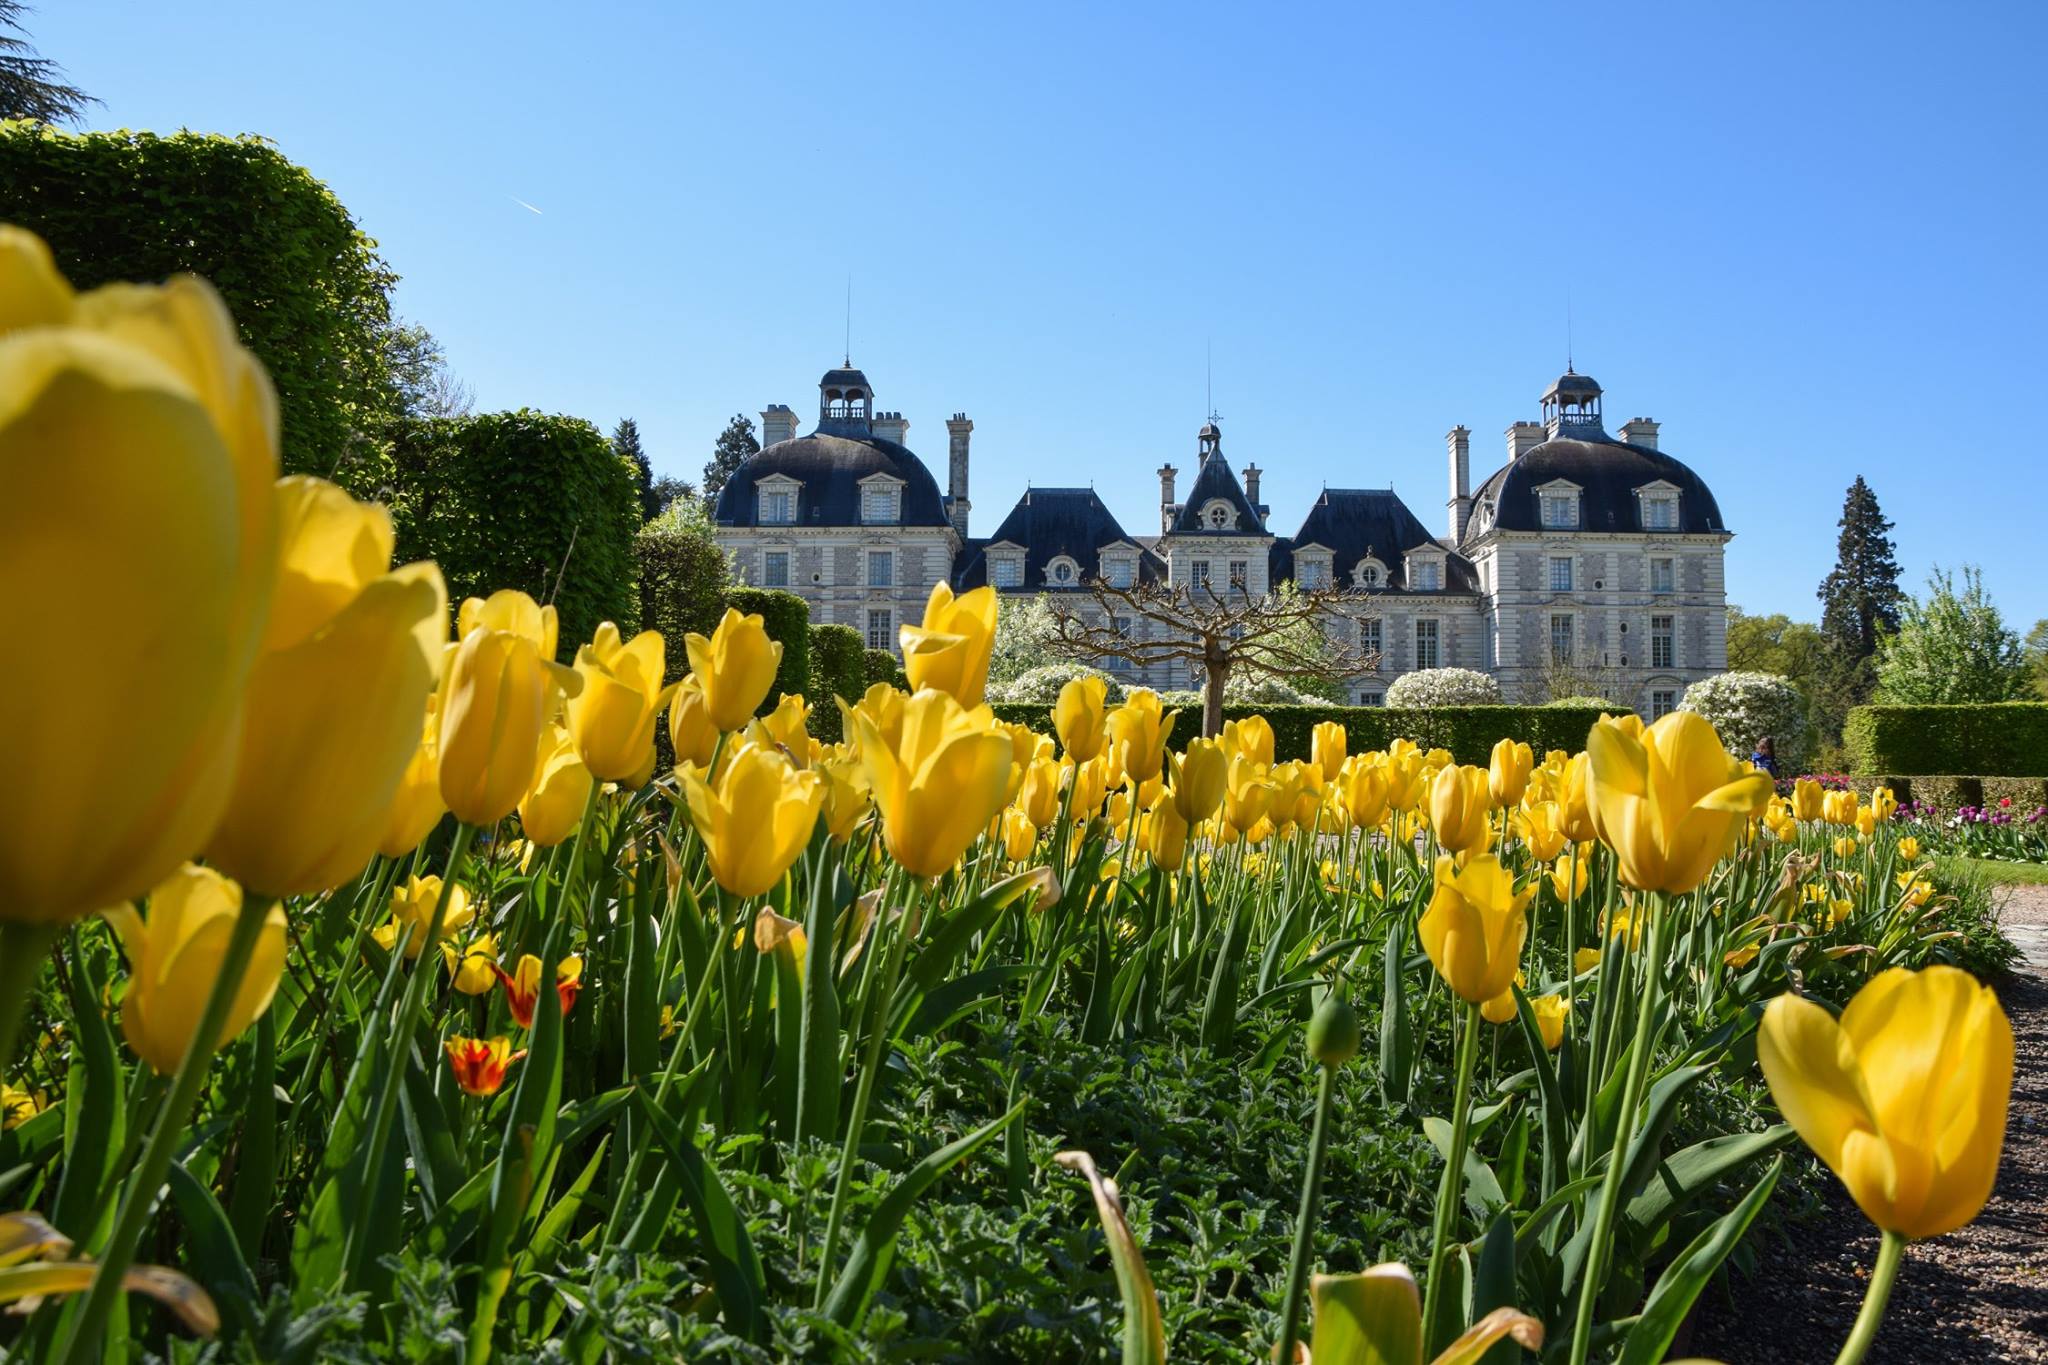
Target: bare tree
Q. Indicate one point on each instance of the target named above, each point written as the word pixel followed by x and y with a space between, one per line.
pixel 1279 636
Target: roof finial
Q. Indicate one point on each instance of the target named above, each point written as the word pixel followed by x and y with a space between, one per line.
pixel 848 362
pixel 1568 327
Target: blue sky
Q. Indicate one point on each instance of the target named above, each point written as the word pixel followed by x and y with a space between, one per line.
pixel 1804 238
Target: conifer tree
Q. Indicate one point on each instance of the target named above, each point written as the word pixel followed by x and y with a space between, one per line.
pixel 1860 598
pixel 735 444
pixel 33 86
pixel 626 441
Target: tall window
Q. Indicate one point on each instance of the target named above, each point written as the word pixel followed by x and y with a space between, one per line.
pixel 881 632
pixel 1660 642
pixel 1121 572
pixel 1006 571
pixel 1312 574
pixel 1560 511
pixel 778 506
pixel 1561 639
pixel 1663 575
pixel 1198 574
pixel 1240 573
pixel 1560 573
pixel 1126 628
pixel 1660 514
pixel 1369 635
pixel 878 505
pixel 1426 651
pixel 775 568
pixel 1663 701
pixel 1427 576
pixel 881 568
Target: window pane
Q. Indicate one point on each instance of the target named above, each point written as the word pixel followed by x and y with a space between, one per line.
pixel 1663 575
pixel 878 629
pixel 1369 635
pixel 1239 569
pixel 1561 639
pixel 1661 633
pixel 1006 572
pixel 1198 573
pixel 1560 575
pixel 775 568
pixel 1425 644
pixel 881 568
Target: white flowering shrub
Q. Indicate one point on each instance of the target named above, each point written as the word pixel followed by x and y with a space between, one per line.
pixel 1744 707
pixel 1043 683
pixel 1444 687
pixel 1247 691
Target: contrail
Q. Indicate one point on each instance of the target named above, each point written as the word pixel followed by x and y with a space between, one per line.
pixel 522 203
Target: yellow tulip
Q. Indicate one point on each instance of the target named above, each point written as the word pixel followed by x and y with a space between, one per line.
pixel 1866 822
pixel 514 613
pixel 1165 835
pixel 174 957
pixel 499 694
pixel 1079 717
pixel 1039 794
pixel 1576 817
pixel 1671 803
pixel 479 1065
pixel 690 731
pixel 1251 738
pixel 1839 808
pixel 1501 1009
pixel 1809 799
pixel 412 907
pixel 1542 829
pixel 938 786
pixel 1909 848
pixel 1845 847
pixel 1199 780
pixel 1568 876
pixel 1507 773
pixel 417 807
pixel 1138 731
pixel 336 703
pixel 845 785
pixel 756 820
pixel 1362 789
pixel 1287 780
pixel 1459 806
pixel 735 668
pixel 1375 1318
pixel 1019 836
pixel 138 445
pixel 1904 1097
pixel 1917 888
pixel 1883 804
pixel 1585 960
pixel 1326 746
pixel 553 806
pixel 883 707
pixel 1246 794
pixel 783 728
pixel 950 650
pixel 611 717
pixel 1474 927
pixel 1088 783
pixel 1408 776
pixel 474 968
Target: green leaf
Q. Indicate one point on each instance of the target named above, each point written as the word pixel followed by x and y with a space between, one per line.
pixel 1685 1277
pixel 255 1182
pixel 1696 1168
pixel 1397 1032
pixel 722 1237
pixel 1483 1194
pixel 1144 1340
pixel 210 1244
pixel 95 1112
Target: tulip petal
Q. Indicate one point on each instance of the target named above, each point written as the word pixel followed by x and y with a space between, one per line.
pixel 1812 1074
pixel 1371 1318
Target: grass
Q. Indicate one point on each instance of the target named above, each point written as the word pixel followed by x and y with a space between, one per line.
pixel 1994 872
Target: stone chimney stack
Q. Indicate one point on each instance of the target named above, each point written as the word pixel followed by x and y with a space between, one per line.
pixel 1251 484
pixel 1524 437
pixel 778 423
pixel 1166 476
pixel 1458 440
pixel 891 426
pixel 1640 431
pixel 958 429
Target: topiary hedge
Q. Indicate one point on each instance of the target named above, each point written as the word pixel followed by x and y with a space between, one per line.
pixel 308 291
pixel 1469 732
pixel 787 618
pixel 882 667
pixel 839 668
pixel 1987 739
pixel 683 578
pixel 522 500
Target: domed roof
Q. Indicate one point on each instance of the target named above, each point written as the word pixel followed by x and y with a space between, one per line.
pixel 829 469
pixel 1573 384
pixel 1608 474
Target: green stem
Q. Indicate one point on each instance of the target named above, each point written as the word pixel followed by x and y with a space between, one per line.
pixel 1889 1254
pixel 1304 1226
pixel 1659 907
pixel 23 946
pixel 1452 1188
pixel 81 1343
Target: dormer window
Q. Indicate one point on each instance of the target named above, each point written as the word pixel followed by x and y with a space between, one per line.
pixel 881 501
pixel 1312 574
pixel 1370 573
pixel 1560 511
pixel 1425 575
pixel 1062 572
pixel 1219 515
pixel 1006 568
pixel 1119 571
pixel 775 502
pixel 1659 506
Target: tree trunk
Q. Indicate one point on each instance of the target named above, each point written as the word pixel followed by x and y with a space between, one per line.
pixel 1216 671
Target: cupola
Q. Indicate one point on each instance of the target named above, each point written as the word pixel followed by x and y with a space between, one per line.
pixel 845 402
pixel 1571 407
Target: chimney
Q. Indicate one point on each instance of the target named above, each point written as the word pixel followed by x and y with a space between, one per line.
pixel 958 429
pixel 1524 437
pixel 890 426
pixel 1166 477
pixel 778 423
pixel 1251 485
pixel 1458 440
pixel 1640 431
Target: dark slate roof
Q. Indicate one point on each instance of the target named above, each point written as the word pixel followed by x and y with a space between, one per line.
pixel 1352 523
pixel 1609 472
pixel 845 379
pixel 1572 384
pixel 1049 522
pixel 830 467
pixel 1215 480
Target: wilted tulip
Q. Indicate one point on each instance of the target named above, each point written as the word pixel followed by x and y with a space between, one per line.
pixel 735 668
pixel 755 820
pixel 174 957
pixel 611 717
pixel 335 705
pixel 938 786
pixel 1199 780
pixel 1138 731
pixel 1904 1098
pixel 1474 927
pixel 1079 717
pixel 553 806
pixel 1670 803
pixel 1507 773
pixel 1326 747
pixel 1460 804
pixel 479 1066
pixel 522 986
pixel 690 731
pixel 950 649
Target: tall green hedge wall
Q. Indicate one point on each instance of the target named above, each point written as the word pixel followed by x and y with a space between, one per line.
pixel 682 581
pixel 1988 739
pixel 839 668
pixel 522 500
pixel 307 288
pixel 1469 732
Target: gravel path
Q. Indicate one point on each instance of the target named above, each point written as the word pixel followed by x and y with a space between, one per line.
pixel 1980 1294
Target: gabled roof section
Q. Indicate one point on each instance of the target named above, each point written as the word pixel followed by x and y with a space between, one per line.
pixel 1356 522
pixel 1048 523
pixel 1214 480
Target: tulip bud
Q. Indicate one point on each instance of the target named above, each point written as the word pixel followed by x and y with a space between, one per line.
pixel 1079 717
pixel 1333 1033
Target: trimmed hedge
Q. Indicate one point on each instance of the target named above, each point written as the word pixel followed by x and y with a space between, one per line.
pixel 839 668
pixel 884 668
pixel 309 293
pixel 787 618
pixel 1986 739
pixel 1469 732
pixel 682 588
pixel 522 500
pixel 1950 794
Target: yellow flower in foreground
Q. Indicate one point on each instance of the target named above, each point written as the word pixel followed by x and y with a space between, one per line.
pixel 174 956
pixel 138 445
pixel 1507 772
pixel 1904 1098
pixel 756 820
pixel 1079 717
pixel 417 807
pixel 1139 729
pixel 1199 780
pixel 690 731
pixel 514 613
pixel 940 784
pixel 499 694
pixel 1671 803
pixel 1459 806
pixel 335 705
pixel 1474 927
pixel 1375 1318
pixel 950 649
pixel 735 668
pixel 1327 745
pixel 552 808
pixel 612 715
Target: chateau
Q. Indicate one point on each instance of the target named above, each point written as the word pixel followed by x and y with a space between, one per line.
pixel 1586 562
